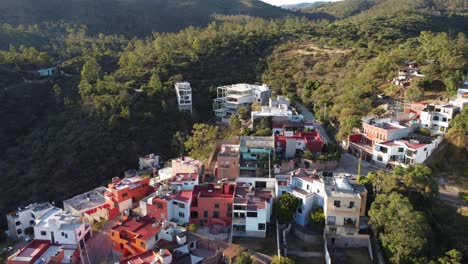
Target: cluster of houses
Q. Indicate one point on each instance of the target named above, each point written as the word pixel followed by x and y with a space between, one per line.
pixel 397 140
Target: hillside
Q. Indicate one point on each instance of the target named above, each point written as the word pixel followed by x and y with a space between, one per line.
pixel 296 7
pixel 350 8
pixel 131 17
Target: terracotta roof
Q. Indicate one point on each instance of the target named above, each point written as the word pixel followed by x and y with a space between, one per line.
pixel 143 228
pixel 184 196
pixel 233 250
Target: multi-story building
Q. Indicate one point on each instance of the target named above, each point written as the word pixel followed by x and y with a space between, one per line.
pixel 184 96
pixel 289 143
pixel 61 227
pixel 344 208
pixel 25 217
pixel 92 206
pixel 167 206
pixel 186 165
pixel 404 152
pixel 212 205
pixel 123 193
pixel 255 155
pixel 279 100
pixel 252 210
pixel 184 181
pixel 437 116
pixel 227 162
pixel 461 100
pixel 44 251
pixel 232 97
pixel 149 162
pixel 134 236
pixel 280 113
pixel 306 187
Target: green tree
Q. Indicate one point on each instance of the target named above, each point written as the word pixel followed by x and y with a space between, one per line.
pixel 177 144
pixel 243 113
pixel 451 257
pixel 287 206
pixel 201 143
pixel 348 125
pixel 458 131
pixel 282 260
pixel 154 85
pixel 244 258
pixel 413 94
pixel 419 177
pixel 192 227
pixel 401 229
pixel 317 217
pixel 91 71
pixel 29 231
pixel 234 124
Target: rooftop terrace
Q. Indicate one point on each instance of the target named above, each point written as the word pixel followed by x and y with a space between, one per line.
pixel 87 200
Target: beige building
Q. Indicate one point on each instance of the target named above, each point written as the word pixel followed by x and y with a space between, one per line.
pixel 345 208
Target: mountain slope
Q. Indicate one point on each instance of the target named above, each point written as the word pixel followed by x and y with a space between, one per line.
pixel 131 17
pixel 296 7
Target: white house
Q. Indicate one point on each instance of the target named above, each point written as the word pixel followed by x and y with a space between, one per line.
pixel 184 96
pixel 184 181
pixel 403 152
pixel 307 188
pixel 149 161
pixel 25 217
pixel 437 116
pixel 60 227
pixel 252 210
pixel 462 98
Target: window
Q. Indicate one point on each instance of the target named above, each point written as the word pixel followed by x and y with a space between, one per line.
pixel 239 207
pixel 125 195
pixel 401 149
pixel 383 150
pixel 229 214
pixel 229 207
pixel 19 231
pixel 336 203
pixel 425 149
pixel 185 183
pixel 63 234
pixel 194 214
pixel 331 220
pixel 351 204
pixel 18 223
pixel 33 216
pixel 379 157
pixel 32 222
pixel 261 226
pixel 175 203
pixel 444 119
pixel 435 118
pixel 112 233
pixel 205 213
pixel 142 244
pixel 307 187
pixel 181 214
pixel 299 210
pixel 318 191
pixel 332 229
pixel 121 245
pixel 260 184
pixel 181 205
pixel 43 233
pixel 215 214
pixel 251 214
pixel 216 205
pixel 66 235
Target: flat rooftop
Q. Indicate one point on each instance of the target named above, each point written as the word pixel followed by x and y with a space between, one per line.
pixel 65 219
pixel 183 177
pixel 257 142
pixel 188 161
pixel 129 182
pixel 87 200
pixel 254 198
pixel 243 87
pixel 37 250
pixel 342 187
pixel 229 150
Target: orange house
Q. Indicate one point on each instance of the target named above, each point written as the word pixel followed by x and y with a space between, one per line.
pixel 211 205
pixel 125 192
pixel 227 162
pixel 134 236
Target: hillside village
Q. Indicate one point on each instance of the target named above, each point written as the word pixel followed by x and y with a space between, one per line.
pixel 252 189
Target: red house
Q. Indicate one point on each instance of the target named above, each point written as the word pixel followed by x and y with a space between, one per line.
pixel 125 192
pixel 212 205
pixel 289 142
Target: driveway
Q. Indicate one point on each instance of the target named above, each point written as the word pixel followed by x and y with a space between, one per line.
pixel 349 164
pixel 309 117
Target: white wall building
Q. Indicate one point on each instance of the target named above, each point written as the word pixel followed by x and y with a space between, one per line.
pixel 462 98
pixel 279 100
pixel 149 161
pixel 60 227
pixel 252 209
pixel 404 152
pixel 25 217
pixel 437 116
pixel 230 98
pixel 184 181
pixel 184 96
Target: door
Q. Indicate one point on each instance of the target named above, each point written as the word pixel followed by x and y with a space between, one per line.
pixel 52 238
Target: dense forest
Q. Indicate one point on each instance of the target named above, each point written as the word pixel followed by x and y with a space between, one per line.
pixel 114 98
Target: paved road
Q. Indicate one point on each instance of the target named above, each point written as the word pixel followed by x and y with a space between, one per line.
pixel 99 246
pixel 349 164
pixel 309 117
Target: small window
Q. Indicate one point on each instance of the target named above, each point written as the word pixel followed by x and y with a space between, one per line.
pixel 351 204
pixel 261 226
pixel 229 207
pixel 175 203
pixel 18 223
pixel 299 210
pixel 401 149
pixel 205 213
pixel 142 244
pixel 63 234
pixel 216 205
pixel 318 191
pixel 181 205
pixel 194 214
pixel 125 195
pixel 425 149
pixel 251 214
pixel 215 214
pixel 43 233
pixel 229 214
pixel 19 231
pixel 66 235
pixel 32 222
pixel 185 183
pixel 379 157
pixel 336 203
pixel 181 214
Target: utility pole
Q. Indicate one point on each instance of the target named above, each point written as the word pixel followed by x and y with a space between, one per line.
pixel 359 164
pixel 269 164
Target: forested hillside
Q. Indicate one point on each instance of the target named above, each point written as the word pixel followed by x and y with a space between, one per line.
pixel 131 17
pixel 115 100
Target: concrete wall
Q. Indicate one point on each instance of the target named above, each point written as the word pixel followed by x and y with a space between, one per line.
pixel 308 238
pixel 320 165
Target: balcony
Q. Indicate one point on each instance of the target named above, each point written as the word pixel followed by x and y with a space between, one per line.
pixel 344 209
pixel 238 221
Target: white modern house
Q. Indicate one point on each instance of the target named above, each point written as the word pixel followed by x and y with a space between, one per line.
pixel 252 210
pixel 61 227
pixel 184 96
pixel 149 161
pixel 307 188
pixel 26 217
pixel 230 98
pixel 404 152
pixel 437 116
pixel 461 100
pixel 280 113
